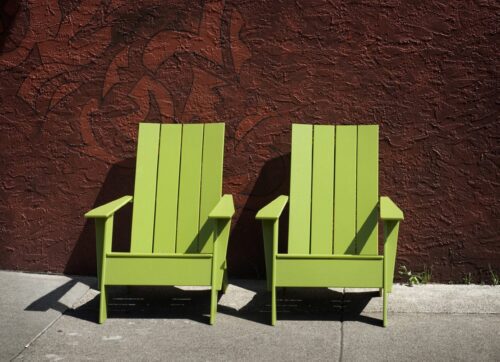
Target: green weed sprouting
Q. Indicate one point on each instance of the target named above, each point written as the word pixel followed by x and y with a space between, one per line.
pixel 423 277
pixel 467 279
pixel 493 276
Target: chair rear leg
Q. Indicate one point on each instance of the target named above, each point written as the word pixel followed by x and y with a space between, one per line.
pixel 273 305
pixel 386 294
pixel 103 305
pixel 213 304
pixel 389 286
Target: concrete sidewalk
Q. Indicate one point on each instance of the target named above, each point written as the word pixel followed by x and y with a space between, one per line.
pixel 50 317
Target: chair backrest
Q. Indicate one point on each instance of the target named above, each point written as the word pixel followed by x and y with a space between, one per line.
pixel 178 180
pixel 334 190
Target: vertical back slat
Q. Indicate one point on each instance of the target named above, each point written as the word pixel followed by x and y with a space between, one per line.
pixel 167 188
pixel 322 190
pixel 211 182
pixel 145 188
pixel 344 229
pixel 367 190
pixel 300 190
pixel 189 189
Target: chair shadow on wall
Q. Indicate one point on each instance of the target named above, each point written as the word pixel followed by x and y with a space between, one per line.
pixel 119 182
pixel 174 302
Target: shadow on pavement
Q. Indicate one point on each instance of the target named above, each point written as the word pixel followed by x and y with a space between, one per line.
pixel 51 300
pixel 354 305
pixel 148 303
pixel 247 300
pixel 55 299
pixel 313 304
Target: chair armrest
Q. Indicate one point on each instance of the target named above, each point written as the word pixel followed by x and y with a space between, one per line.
pixel 389 210
pixel 224 208
pixel 273 210
pixel 106 210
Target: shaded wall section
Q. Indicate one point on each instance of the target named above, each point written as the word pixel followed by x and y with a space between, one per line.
pixel 78 76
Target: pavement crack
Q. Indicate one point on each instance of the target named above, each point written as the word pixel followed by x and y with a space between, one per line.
pixel 39 335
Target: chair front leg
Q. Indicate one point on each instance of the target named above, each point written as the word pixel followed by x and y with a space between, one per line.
pixel 270 232
pixel 104 236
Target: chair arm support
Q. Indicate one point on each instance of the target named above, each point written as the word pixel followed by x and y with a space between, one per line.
pixel 389 210
pixel 273 210
pixel 106 210
pixel 224 208
pixel 391 216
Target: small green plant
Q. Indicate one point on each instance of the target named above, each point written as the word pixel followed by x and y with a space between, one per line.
pixel 426 275
pixel 423 277
pixel 467 279
pixel 493 275
pixel 412 279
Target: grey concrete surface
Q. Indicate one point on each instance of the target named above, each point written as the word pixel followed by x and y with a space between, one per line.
pixel 232 339
pixel 437 298
pixel 424 337
pixel 29 303
pixel 431 322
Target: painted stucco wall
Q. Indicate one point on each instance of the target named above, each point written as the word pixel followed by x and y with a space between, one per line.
pixel 77 77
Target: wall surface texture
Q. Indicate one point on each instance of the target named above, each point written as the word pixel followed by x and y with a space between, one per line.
pixel 78 76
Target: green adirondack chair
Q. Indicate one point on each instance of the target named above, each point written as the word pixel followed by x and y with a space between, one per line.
pixel 334 208
pixel 180 222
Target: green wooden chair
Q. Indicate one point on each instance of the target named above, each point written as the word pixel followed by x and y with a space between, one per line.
pixel 180 222
pixel 334 209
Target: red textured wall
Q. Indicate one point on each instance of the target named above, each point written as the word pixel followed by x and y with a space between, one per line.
pixel 77 77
